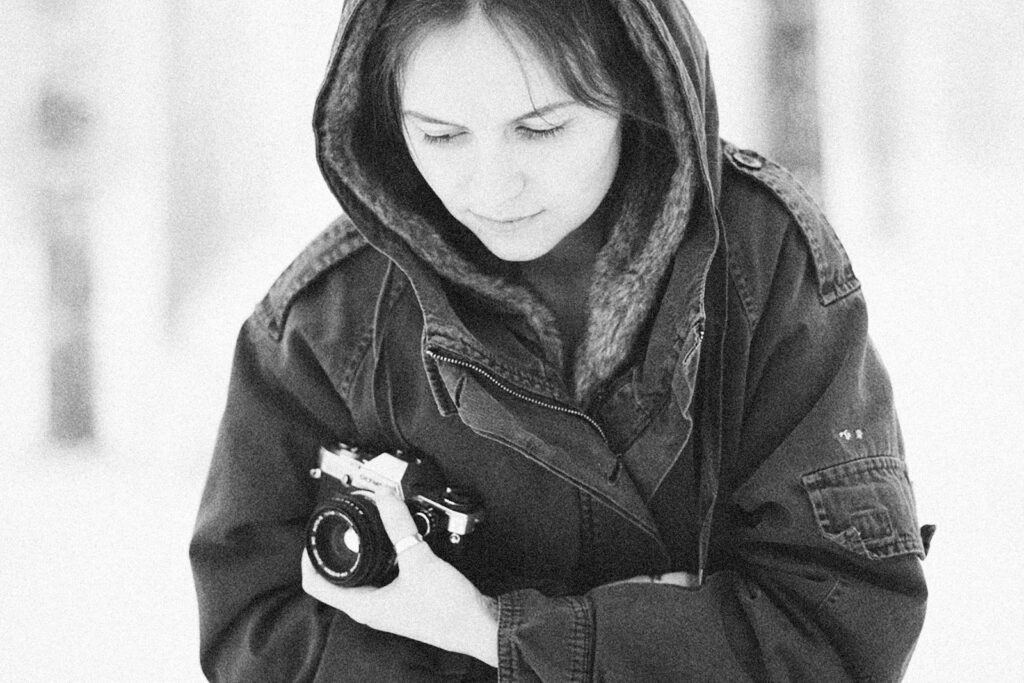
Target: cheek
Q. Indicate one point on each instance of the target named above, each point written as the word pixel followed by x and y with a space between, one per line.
pixel 603 156
pixel 586 169
pixel 441 174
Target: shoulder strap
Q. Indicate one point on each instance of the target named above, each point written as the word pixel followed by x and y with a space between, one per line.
pixel 834 273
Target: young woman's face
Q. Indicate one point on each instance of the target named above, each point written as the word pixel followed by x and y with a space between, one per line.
pixel 510 154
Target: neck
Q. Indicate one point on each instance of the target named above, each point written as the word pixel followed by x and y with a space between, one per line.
pixel 571 257
pixel 562 277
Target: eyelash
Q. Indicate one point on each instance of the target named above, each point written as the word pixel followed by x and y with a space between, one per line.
pixel 528 133
pixel 439 139
pixel 532 134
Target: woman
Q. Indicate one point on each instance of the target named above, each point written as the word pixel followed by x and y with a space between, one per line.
pixel 642 351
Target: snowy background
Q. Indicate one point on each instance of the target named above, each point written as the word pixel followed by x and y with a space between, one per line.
pixel 185 163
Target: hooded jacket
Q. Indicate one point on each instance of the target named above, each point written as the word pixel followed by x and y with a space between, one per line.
pixel 728 416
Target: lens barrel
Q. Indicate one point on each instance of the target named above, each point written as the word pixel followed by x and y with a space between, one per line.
pixel 347 544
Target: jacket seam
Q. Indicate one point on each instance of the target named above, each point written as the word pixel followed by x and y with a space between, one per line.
pixel 582 665
pixel 392 291
pixel 360 351
pixel 335 243
pixel 509 617
pixel 260 319
pixel 831 597
pixel 740 285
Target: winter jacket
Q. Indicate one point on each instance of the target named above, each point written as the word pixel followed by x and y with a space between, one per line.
pixel 740 427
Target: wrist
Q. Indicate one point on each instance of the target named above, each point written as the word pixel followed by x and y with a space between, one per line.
pixel 483 643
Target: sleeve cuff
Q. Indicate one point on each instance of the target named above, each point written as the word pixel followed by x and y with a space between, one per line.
pixel 544 639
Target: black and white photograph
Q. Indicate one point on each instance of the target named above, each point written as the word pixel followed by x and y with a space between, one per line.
pixel 511 340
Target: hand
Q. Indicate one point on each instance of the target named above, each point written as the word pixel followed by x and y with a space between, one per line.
pixel 683 579
pixel 430 601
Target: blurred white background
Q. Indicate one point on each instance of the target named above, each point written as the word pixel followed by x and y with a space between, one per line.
pixel 158 172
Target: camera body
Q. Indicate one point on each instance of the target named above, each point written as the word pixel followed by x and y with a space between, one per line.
pixel 345 538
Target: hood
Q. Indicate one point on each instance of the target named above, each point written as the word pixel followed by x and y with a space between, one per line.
pixel 445 269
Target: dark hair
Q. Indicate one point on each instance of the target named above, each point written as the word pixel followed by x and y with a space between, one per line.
pixel 583 42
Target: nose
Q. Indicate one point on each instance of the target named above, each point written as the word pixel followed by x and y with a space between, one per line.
pixel 496 179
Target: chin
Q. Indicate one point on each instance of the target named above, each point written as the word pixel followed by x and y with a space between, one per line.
pixel 516 254
pixel 523 247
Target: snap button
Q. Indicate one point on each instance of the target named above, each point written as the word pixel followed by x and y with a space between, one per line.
pixel 748 159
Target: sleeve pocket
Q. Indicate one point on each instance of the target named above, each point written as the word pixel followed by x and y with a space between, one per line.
pixel 867 507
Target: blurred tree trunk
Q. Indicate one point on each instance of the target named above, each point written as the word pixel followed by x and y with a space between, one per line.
pixel 792 90
pixel 90 173
pixel 65 122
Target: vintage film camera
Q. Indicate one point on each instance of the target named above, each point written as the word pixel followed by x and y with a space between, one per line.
pixel 345 538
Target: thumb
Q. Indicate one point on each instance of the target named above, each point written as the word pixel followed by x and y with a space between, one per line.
pixel 398 523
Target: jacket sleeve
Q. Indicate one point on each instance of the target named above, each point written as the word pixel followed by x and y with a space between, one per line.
pixel 817 574
pixel 256 623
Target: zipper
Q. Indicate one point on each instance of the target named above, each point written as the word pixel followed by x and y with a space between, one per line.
pixel 484 372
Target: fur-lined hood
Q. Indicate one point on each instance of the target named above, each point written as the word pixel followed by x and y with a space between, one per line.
pixel 632 265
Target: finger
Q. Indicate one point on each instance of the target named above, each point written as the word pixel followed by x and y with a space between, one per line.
pixel 358 603
pixel 312 582
pixel 305 566
pixel 643 578
pixel 401 529
pixel 684 579
pixel 398 523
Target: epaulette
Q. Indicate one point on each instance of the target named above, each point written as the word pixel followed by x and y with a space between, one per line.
pixel 834 273
pixel 337 242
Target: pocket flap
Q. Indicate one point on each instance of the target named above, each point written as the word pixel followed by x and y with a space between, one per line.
pixel 867 507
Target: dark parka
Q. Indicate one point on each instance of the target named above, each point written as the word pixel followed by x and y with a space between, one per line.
pixel 749 438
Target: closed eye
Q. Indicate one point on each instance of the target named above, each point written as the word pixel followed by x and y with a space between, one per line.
pixel 441 139
pixel 523 131
pixel 539 134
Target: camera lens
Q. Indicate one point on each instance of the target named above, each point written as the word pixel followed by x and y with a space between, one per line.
pixel 347 543
pixel 342 547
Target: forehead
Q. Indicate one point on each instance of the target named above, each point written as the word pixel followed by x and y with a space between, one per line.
pixel 471 70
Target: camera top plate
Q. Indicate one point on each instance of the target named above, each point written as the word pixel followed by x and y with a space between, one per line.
pixel 383 472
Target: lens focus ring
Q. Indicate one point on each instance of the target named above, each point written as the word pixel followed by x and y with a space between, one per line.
pixel 347 544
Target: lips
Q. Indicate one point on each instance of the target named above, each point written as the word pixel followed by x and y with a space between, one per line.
pixel 507 221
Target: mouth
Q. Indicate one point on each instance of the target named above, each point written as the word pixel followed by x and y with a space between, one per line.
pixel 507 222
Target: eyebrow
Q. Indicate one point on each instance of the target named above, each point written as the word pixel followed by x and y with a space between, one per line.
pixel 536 113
